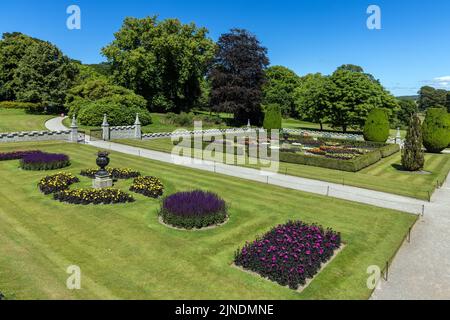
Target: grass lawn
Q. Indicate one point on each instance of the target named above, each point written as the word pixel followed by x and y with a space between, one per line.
pixel 382 176
pixel 123 251
pixel 14 120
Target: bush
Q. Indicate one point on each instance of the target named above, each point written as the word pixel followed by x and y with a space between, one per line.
pixel 91 114
pixel 187 119
pixel 93 196
pixel 193 210
pixel 377 126
pixel 435 129
pixel 18 105
pixel 272 117
pixel 116 173
pixel 58 182
pixel 289 254
pixel 413 156
pixel 148 186
pixel 44 161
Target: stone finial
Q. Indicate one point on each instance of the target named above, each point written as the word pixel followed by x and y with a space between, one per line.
pixel 74 122
pixel 137 122
pixel 249 124
pixel 105 121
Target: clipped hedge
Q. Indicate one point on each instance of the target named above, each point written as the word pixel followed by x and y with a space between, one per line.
pixel 18 105
pixel 436 130
pixel 377 126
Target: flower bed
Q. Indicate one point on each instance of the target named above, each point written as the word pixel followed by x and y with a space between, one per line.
pixel 93 196
pixel 193 210
pixel 289 254
pixel 17 155
pixel 44 161
pixel 116 173
pixel 58 182
pixel 148 186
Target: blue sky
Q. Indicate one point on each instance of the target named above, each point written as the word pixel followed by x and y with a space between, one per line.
pixel 411 50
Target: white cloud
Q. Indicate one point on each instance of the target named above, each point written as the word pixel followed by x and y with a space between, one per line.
pixel 439 82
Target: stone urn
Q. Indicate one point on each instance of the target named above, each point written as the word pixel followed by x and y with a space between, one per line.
pixel 102 161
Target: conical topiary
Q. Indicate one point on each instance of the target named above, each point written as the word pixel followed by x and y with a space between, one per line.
pixel 413 156
pixel 436 129
pixel 272 117
pixel 376 128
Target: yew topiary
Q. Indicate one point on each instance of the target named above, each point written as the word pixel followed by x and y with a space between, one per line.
pixel 376 128
pixel 436 130
pixel 413 156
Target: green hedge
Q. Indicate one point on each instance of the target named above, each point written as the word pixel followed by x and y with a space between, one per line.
pixel 18 105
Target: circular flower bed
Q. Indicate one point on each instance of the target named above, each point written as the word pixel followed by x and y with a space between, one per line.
pixel 44 161
pixel 289 254
pixel 193 210
pixel 148 186
pixel 116 173
pixel 16 155
pixel 57 182
pixel 93 196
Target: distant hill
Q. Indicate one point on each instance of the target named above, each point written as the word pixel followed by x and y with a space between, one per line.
pixel 409 98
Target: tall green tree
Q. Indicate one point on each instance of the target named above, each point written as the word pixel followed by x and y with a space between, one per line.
pixel 413 158
pixel 407 108
pixel 272 117
pixel 436 130
pixel 35 71
pixel 280 88
pixel 430 97
pixel 314 98
pixel 355 96
pixel 238 75
pixel 163 61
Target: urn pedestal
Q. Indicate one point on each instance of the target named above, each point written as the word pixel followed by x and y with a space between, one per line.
pixel 102 177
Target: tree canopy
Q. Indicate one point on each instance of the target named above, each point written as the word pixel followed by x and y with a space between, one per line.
pixel 280 88
pixel 238 75
pixel 35 71
pixel 164 61
pixel 430 97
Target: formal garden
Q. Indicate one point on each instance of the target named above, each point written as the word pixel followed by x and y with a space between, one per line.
pixel 192 229
pixel 143 229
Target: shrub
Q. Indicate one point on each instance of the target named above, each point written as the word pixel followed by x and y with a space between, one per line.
pixel 148 186
pixel 413 156
pixel 44 161
pixel 18 105
pixel 91 114
pixel 93 196
pixel 377 126
pixel 196 209
pixel 435 129
pixel 116 173
pixel 58 182
pixel 272 117
pixel 289 254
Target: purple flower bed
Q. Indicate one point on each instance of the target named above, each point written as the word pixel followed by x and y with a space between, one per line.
pixel 17 155
pixel 37 160
pixel 289 254
pixel 195 209
pixel 44 161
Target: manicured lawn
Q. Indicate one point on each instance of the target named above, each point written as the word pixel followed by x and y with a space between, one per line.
pixel 14 120
pixel 123 251
pixel 382 176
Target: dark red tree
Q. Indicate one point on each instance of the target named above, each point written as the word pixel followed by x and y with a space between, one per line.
pixel 237 76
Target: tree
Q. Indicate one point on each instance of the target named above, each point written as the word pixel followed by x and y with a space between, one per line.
pixel 272 117
pixel 436 129
pixel 237 76
pixel 280 87
pixel 354 97
pixel 314 97
pixel 356 69
pixel 91 99
pixel 447 102
pixel 407 108
pixel 34 71
pixel 413 158
pixel 164 61
pixel 430 97
pixel 376 128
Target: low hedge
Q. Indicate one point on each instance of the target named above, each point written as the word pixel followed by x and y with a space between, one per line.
pixel 29 106
pixel 389 150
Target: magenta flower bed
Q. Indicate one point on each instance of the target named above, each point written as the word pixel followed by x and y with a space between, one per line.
pixel 289 254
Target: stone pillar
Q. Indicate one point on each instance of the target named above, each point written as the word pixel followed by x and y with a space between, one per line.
pixel 74 130
pixel 105 127
pixel 137 128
